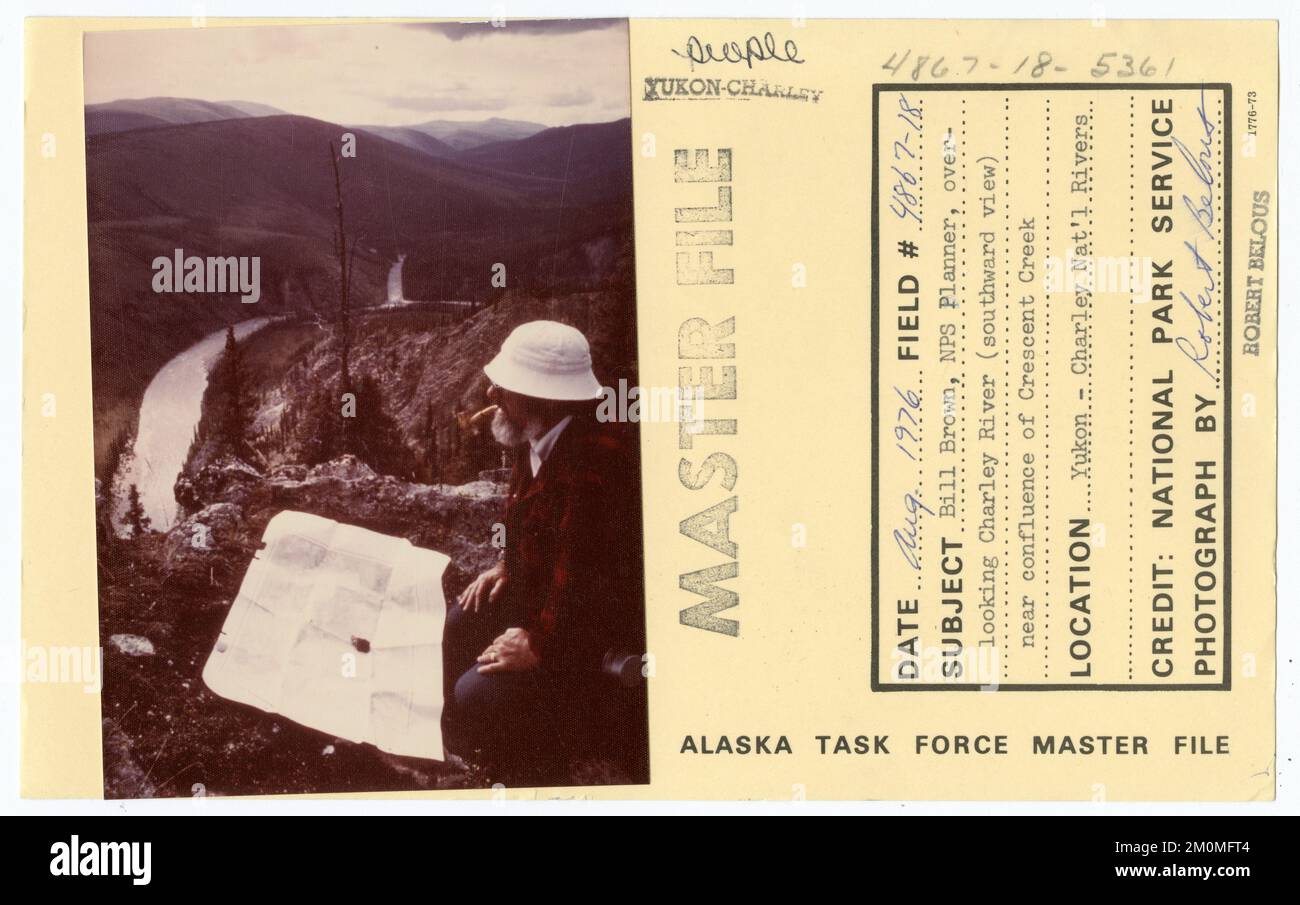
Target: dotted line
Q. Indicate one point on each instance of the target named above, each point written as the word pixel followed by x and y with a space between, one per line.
pixel 964 288
pixel 1006 385
pixel 1132 398
pixel 920 375
pixel 1047 415
pixel 1092 258
pixel 1218 273
pixel 920 161
pixel 920 471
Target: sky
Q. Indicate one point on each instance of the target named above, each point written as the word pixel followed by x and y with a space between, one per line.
pixel 555 73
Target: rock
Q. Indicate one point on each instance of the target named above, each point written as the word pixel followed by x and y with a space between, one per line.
pixel 216 541
pixel 286 474
pixel 479 490
pixel 212 542
pixel 225 479
pixel 132 645
pixel 345 468
pixel 201 533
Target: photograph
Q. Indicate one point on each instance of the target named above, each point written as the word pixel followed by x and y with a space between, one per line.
pixel 358 294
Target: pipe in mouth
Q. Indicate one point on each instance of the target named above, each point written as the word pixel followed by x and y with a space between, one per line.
pixel 478 416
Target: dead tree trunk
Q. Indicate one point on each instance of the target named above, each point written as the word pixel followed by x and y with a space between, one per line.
pixel 345 314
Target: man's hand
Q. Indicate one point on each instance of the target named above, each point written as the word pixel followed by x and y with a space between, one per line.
pixel 512 651
pixel 485 589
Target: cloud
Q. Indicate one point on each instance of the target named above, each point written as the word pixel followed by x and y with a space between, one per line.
pixel 556 72
pixel 446 104
pixel 576 98
pixel 458 31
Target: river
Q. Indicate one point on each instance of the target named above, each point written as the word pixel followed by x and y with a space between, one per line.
pixel 169 414
pixel 395 293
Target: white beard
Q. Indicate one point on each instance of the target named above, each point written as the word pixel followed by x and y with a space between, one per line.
pixel 506 432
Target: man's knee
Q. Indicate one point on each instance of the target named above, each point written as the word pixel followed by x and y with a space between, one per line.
pixel 492 695
pixel 469 693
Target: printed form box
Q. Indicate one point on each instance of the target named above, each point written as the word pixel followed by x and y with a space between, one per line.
pixel 1051 388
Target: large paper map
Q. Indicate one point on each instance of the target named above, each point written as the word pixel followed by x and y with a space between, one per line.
pixel 340 629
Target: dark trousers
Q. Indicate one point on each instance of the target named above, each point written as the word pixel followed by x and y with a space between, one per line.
pixel 502 720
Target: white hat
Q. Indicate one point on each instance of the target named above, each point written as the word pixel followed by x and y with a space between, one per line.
pixel 545 360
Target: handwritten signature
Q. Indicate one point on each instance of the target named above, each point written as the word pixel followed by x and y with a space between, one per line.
pixel 754 49
pixel 1202 211
pixel 1201 308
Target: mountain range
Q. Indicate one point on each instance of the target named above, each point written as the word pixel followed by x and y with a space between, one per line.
pixel 552 206
pixel 439 137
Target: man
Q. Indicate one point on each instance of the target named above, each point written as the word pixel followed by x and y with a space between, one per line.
pixel 525 641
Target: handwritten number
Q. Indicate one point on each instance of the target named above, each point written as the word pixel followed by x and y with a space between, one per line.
pixel 911 402
pixel 905 176
pixel 904 211
pixel 1111 63
pixel 910 398
pixel 901 432
pixel 892 66
pixel 904 203
pixel 1146 68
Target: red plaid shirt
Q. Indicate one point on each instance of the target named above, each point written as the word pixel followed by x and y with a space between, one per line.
pixel 573 547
